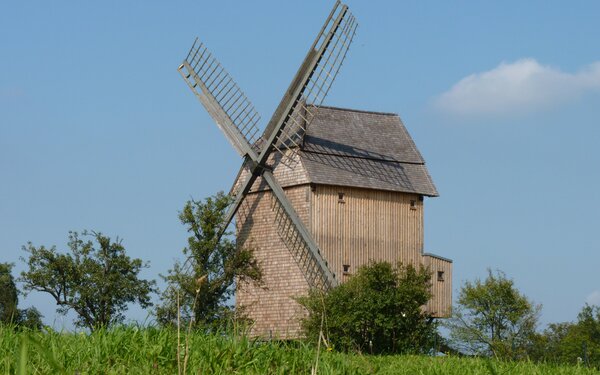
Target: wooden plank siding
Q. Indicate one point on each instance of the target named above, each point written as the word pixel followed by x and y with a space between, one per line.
pixel 366 225
pixel 440 305
pixel 375 225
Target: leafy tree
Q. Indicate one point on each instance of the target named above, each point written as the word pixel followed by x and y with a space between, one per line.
pixel 9 313
pixel 570 342
pixel 31 318
pixel 586 333
pixel 379 310
pixel 203 284
pixel 97 281
pixel 493 318
pixel 9 299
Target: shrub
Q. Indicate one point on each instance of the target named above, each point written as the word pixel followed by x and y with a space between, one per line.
pixel 379 310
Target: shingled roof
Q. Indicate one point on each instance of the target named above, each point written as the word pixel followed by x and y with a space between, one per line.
pixel 372 150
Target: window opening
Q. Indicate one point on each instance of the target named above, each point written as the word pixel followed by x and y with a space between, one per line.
pixel 440 275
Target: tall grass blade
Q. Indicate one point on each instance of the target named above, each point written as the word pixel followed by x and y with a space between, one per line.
pixel 22 370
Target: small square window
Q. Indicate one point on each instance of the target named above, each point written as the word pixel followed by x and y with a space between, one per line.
pixel 346 268
pixel 440 275
pixel 413 204
pixel 341 198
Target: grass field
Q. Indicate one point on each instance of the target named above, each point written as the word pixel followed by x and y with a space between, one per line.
pixel 132 350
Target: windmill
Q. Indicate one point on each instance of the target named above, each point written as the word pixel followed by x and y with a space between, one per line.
pixel 238 120
pixel 322 190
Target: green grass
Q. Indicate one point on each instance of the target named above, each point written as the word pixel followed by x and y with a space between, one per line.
pixel 132 350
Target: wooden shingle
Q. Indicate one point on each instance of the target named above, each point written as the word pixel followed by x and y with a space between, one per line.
pixel 363 149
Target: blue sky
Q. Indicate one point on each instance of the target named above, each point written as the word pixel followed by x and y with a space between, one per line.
pixel 98 131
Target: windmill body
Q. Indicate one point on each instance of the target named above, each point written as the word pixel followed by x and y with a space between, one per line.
pixel 322 190
pixel 358 185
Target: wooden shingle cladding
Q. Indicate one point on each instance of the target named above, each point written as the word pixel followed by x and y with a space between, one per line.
pixel 364 149
pixel 291 174
pixel 358 184
pixel 272 306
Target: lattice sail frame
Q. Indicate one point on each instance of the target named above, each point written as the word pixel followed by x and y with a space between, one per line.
pixel 332 55
pixel 237 118
pixel 298 247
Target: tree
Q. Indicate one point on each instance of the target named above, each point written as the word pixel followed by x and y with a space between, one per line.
pixel 9 299
pixel 96 282
pixel 30 318
pixel 586 335
pixel 204 283
pixel 9 313
pixel 570 342
pixel 379 310
pixel 493 318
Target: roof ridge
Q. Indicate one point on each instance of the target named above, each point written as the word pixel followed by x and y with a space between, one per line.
pixel 355 110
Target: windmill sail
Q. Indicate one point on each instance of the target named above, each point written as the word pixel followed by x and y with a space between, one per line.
pixel 299 242
pixel 238 119
pixel 312 82
pixel 223 99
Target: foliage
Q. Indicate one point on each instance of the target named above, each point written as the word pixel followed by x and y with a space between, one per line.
pixel 572 342
pixel 204 283
pixel 9 299
pixel 95 282
pixel 10 314
pixel 493 318
pixel 377 311
pixel 31 319
pixel 148 350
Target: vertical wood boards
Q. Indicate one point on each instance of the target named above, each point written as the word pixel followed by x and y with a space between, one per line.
pixel 366 225
pixel 352 226
pixel 440 305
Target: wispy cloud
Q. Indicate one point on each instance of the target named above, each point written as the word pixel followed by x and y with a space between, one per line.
pixel 522 86
pixel 593 298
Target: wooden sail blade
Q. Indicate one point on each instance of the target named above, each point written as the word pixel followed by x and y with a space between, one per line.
pixel 311 83
pixel 242 185
pixel 223 99
pixel 297 238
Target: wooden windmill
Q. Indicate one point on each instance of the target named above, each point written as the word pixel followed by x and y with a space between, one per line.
pixel 296 164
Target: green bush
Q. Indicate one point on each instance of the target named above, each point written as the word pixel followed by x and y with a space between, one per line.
pixel 379 310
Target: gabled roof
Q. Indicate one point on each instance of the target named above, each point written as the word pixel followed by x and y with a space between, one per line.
pixel 363 149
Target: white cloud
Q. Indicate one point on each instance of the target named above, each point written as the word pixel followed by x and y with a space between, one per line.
pixel 593 298
pixel 522 86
